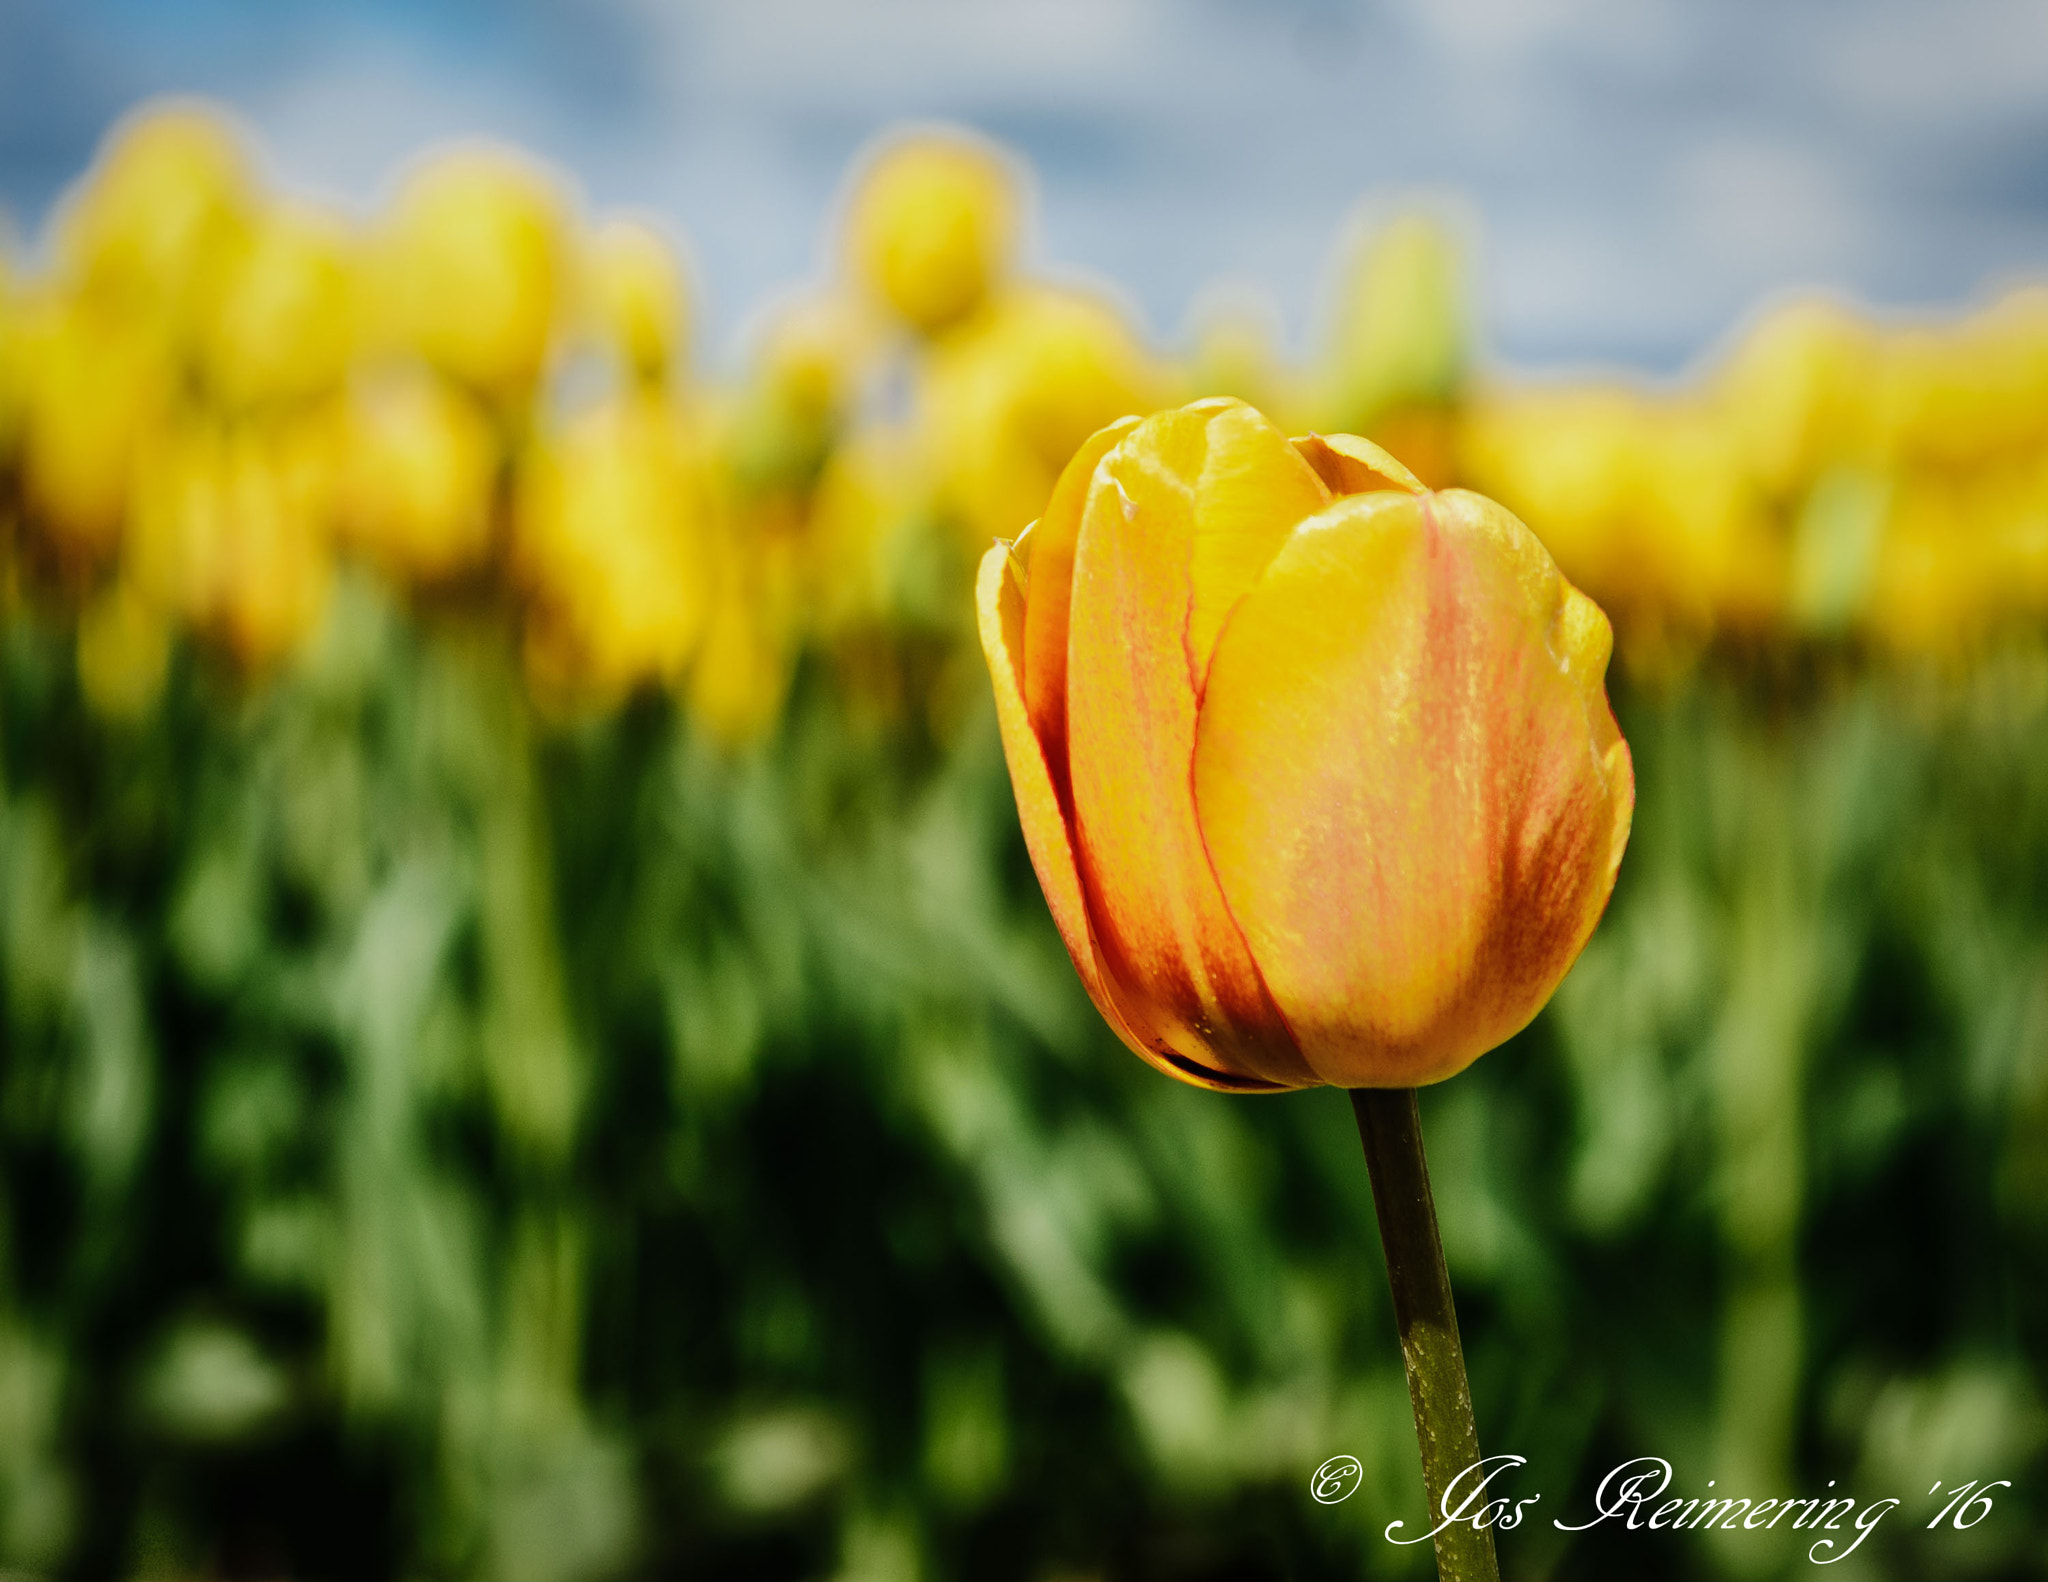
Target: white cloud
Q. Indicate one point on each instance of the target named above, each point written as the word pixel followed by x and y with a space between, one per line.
pixel 1758 205
pixel 1959 62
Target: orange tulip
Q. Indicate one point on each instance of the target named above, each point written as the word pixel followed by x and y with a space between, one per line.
pixel 1316 766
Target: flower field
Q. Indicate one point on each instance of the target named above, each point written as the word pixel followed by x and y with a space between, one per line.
pixel 530 1045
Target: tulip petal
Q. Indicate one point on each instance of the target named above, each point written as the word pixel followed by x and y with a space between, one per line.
pixel 1186 980
pixel 1410 783
pixel 1043 653
pixel 1350 465
pixel 1003 611
pixel 1251 488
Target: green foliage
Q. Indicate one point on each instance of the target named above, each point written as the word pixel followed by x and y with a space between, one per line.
pixel 437 1141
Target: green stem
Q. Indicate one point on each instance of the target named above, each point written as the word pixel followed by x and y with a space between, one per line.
pixel 1391 1128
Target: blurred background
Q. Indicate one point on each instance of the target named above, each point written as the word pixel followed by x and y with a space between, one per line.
pixel 529 1044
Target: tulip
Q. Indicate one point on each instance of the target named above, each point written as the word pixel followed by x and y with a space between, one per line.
pixel 611 538
pixel 282 327
pixel 227 533
pixel 148 230
pixel 1400 336
pixel 930 228
pixel 1316 766
pixel 92 391
pixel 416 499
pixel 635 296
pixel 471 269
pixel 1006 400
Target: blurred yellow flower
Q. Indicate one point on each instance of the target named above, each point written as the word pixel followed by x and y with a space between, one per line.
pixel 1400 333
pixel 93 391
pixel 1646 503
pixel 931 226
pixel 229 532
pixel 1959 395
pixel 736 687
pixel 802 386
pixel 124 646
pixel 146 230
pixel 1795 393
pixel 1009 398
pixel 470 271
pixel 868 500
pixel 635 297
pixel 291 383
pixel 416 496
pixel 1703 549
pixel 1931 578
pixel 1237 352
pixel 813 354
pixel 1562 459
pixel 612 542
pixel 283 323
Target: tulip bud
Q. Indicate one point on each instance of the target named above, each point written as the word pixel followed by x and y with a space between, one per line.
pixel 92 391
pixel 611 538
pixel 228 533
pixel 1400 336
pixel 1316 766
pixel 416 499
pixel 145 234
pixel 471 269
pixel 635 295
pixel 282 328
pixel 1006 400
pixel 931 228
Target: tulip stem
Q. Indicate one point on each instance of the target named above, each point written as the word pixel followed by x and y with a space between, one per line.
pixel 1390 1126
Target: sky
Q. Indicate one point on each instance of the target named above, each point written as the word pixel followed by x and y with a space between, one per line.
pixel 1636 176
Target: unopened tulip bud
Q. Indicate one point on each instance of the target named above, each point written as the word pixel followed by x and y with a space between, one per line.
pixel 416 497
pixel 932 225
pixel 611 538
pixel 282 325
pixel 634 292
pixel 471 273
pixel 1316 766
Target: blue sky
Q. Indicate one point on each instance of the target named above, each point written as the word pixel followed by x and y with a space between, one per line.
pixel 1638 174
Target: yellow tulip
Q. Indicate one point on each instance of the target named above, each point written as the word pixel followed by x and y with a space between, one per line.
pixel 1931 582
pixel 1956 396
pixel 813 355
pixel 633 289
pixel 864 507
pixel 148 229
pixel 1563 460
pixel 1008 398
pixel 612 540
pixel 805 375
pixel 742 673
pixel 283 326
pixel 14 343
pixel 229 533
pixel 931 227
pixel 1316 766
pixel 124 651
pixel 92 390
pixel 1400 336
pixel 1237 352
pixel 417 495
pixel 471 272
pixel 1795 393
pixel 1646 502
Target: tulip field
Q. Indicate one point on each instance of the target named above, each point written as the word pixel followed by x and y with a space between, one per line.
pixel 531 1042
